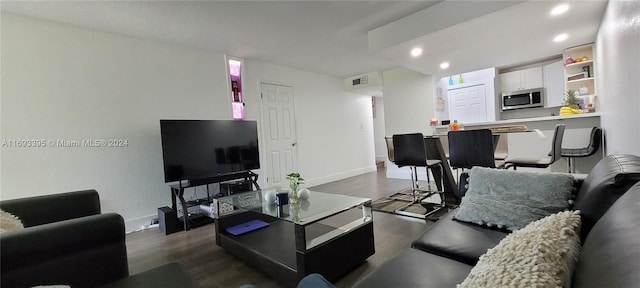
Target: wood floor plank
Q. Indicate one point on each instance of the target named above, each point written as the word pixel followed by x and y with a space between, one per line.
pixel 212 267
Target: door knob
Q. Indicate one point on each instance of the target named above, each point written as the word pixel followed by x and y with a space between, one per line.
pixel 294 144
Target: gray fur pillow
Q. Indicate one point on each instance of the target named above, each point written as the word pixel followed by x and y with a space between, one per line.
pixel 512 199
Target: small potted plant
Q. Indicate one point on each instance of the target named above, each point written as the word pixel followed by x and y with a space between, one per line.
pixel 571 102
pixel 294 182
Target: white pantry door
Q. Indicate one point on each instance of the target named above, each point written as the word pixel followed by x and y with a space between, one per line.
pixel 280 133
pixel 468 104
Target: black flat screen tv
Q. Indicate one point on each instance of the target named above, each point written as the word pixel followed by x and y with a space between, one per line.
pixel 200 149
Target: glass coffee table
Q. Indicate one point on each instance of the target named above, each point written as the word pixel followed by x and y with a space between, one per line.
pixel 323 234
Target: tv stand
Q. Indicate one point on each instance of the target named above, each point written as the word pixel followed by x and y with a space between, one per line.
pixel 177 194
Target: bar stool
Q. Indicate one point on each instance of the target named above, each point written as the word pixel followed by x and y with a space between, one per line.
pixel 468 148
pixel 410 150
pixel 391 155
pixel 390 150
pixel 594 145
pixel 556 151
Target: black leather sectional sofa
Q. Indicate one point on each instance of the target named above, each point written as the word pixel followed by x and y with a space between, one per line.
pixel 67 241
pixel 610 209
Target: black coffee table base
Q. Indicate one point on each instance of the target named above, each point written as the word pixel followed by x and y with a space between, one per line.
pixel 272 250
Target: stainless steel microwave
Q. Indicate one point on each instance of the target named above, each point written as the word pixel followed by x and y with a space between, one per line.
pixel 523 99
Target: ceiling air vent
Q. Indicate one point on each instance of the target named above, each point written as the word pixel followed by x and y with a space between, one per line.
pixel 367 84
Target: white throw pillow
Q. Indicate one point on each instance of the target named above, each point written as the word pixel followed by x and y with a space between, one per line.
pixel 9 222
pixel 543 254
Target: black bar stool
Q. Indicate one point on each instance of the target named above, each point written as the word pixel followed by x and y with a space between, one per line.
pixel 594 145
pixel 556 153
pixel 468 148
pixel 410 150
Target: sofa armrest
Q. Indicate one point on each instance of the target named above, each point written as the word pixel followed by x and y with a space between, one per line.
pixel 610 254
pixel 39 210
pixel 81 252
pixel 609 179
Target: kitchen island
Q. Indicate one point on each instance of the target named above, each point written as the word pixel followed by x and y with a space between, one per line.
pixel 584 120
pixel 527 144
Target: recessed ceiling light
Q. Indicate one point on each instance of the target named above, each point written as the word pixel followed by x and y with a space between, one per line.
pixel 560 37
pixel 560 9
pixel 444 65
pixel 415 52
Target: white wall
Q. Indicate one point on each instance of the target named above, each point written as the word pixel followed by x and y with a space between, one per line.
pixel 408 105
pixel 71 83
pixel 61 82
pixel 334 127
pixel 618 69
pixel 408 101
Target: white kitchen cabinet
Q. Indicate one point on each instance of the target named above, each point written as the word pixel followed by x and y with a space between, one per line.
pixel 468 104
pixel 553 74
pixel 510 81
pixel 532 78
pixel 521 79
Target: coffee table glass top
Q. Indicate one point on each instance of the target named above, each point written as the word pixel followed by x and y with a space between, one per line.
pixel 319 205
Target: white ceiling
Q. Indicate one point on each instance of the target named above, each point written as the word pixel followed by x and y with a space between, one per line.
pixel 335 37
pixel 516 35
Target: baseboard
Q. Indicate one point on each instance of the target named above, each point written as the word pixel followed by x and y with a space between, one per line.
pixel 140 223
pixel 339 176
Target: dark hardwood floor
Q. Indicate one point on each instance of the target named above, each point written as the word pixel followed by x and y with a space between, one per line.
pixel 213 267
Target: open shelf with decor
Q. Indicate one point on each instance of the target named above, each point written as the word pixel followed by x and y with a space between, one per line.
pixel 579 73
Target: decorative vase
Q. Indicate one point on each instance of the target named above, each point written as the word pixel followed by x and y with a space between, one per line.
pixel 294 212
pixel 294 196
pixel 294 181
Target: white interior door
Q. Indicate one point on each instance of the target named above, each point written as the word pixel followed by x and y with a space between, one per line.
pixel 468 104
pixel 280 133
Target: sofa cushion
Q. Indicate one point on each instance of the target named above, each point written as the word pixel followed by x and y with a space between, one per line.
pixel 608 180
pixel 611 252
pixel 415 268
pixel 513 199
pixel 540 255
pixel 458 240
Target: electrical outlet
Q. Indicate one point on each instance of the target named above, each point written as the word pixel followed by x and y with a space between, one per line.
pixel 154 221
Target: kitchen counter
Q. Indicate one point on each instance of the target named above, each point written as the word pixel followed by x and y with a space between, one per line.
pixel 535 145
pixel 525 121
